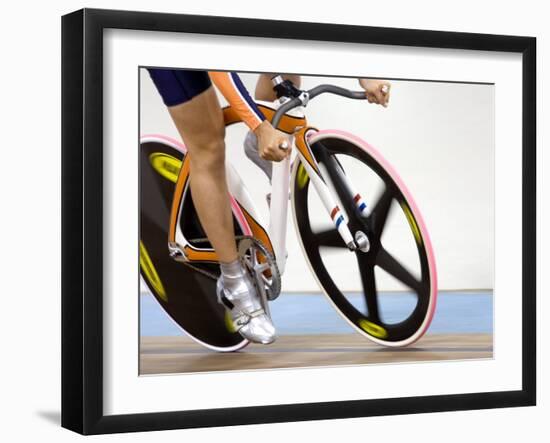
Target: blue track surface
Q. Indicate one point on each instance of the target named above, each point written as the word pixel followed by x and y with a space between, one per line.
pixel 456 313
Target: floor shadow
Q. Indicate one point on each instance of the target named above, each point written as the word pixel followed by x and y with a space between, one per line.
pixel 54 417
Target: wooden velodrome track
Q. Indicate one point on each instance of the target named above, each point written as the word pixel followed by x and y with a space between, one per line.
pixel 169 355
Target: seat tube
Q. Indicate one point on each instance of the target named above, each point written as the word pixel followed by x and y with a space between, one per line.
pixel 279 209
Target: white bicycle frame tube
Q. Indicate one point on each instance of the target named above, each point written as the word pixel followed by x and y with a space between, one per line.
pixel 279 205
pixel 329 202
pixel 280 186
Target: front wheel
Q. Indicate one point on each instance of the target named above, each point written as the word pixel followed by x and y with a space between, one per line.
pixel 388 290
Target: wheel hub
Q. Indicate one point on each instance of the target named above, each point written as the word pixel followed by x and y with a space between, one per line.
pixel 362 241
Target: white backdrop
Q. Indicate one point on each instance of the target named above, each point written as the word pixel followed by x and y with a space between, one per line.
pixel 439 137
pixel 29 379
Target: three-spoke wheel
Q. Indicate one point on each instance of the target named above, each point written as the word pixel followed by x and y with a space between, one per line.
pixel 387 287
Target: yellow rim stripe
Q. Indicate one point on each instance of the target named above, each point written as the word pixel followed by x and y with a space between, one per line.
pixel 372 328
pixel 166 165
pixel 150 272
pixel 302 176
pixel 229 322
pixel 412 223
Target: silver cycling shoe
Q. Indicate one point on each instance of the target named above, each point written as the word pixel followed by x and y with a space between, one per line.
pixel 248 316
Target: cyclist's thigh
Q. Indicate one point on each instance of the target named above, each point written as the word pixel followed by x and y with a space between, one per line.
pixel 177 86
pixel 193 105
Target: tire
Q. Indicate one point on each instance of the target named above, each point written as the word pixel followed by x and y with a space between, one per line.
pixel 186 295
pixel 333 149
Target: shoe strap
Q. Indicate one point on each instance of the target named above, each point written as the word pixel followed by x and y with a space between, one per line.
pixel 227 303
pixel 245 317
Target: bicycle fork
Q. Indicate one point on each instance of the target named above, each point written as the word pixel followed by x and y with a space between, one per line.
pixel 319 181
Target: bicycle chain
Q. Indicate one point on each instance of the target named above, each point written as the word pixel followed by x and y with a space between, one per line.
pixel 201 271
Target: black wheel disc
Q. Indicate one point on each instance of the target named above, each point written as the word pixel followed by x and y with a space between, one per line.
pixel 187 296
pixel 323 245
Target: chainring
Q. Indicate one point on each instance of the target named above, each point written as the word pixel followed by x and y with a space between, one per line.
pixel 261 265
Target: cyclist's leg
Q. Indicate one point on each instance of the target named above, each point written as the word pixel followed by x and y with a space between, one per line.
pixel 201 126
pixel 199 120
pixel 194 108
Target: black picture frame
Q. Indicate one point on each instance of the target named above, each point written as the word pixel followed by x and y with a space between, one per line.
pixel 82 218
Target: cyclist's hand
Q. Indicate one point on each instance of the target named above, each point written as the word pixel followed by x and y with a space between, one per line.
pixel 272 142
pixel 377 91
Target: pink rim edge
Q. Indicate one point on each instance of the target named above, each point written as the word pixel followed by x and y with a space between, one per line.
pixel 236 210
pixel 408 196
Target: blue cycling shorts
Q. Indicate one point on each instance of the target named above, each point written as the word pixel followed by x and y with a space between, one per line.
pixel 177 86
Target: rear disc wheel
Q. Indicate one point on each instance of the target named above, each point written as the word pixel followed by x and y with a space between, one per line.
pixel 186 295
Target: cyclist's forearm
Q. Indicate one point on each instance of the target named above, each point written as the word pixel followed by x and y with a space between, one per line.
pixel 264 87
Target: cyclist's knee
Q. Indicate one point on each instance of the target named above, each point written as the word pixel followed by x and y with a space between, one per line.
pixel 209 153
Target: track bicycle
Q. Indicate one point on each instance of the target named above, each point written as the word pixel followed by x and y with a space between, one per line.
pixel 342 192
